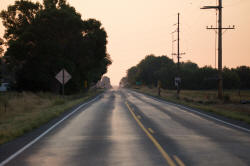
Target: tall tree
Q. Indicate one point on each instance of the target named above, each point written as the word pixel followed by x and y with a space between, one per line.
pixel 1 47
pixel 57 38
pixel 1 58
pixel 18 17
pixel 244 75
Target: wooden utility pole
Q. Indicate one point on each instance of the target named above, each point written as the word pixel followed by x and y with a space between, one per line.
pixel 178 53
pixel 219 28
pixel 178 79
pixel 178 43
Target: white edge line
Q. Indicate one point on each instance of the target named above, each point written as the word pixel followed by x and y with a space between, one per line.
pixel 44 133
pixel 197 112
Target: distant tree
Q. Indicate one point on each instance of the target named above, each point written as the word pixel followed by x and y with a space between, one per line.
pixel 1 70
pixel 1 47
pixel 132 75
pixel 208 77
pixel 1 58
pixel 152 69
pixel 147 69
pixel 165 72
pixel 51 4
pixel 231 79
pixel 189 73
pixel 123 82
pixel 244 75
pixel 51 37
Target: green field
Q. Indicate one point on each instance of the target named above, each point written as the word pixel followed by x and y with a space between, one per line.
pixel 207 100
pixel 23 112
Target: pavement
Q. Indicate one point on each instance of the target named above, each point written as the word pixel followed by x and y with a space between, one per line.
pixel 127 128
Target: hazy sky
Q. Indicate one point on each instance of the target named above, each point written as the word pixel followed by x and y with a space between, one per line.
pixel 137 28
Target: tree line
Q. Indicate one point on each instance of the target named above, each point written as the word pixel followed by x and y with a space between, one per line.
pixel 42 39
pixel 152 69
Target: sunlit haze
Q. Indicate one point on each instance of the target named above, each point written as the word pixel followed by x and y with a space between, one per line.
pixel 138 28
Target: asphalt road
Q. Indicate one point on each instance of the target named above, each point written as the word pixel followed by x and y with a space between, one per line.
pixel 125 128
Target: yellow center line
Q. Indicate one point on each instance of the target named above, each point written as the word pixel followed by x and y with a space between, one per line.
pixel 158 146
pixel 178 160
pixel 151 130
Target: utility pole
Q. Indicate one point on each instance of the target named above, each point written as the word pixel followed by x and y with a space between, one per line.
pixel 219 28
pixel 178 79
pixel 178 44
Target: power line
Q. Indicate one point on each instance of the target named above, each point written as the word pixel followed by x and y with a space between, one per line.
pixel 173 40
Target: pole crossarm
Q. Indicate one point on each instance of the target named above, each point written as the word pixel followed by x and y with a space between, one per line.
pixel 221 28
pixel 179 54
pixel 211 7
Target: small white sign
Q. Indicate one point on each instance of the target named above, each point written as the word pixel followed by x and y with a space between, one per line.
pixel 177 81
pixel 63 76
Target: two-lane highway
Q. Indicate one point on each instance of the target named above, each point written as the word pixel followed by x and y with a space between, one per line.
pixel 197 140
pixel 127 128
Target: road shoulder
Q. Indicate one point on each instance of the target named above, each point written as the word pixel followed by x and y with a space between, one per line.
pixel 12 147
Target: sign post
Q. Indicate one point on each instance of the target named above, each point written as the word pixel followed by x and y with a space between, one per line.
pixel 177 83
pixel 63 77
pixel 85 84
pixel 159 87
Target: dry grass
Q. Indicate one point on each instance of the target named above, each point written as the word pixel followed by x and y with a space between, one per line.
pixel 207 100
pixel 22 112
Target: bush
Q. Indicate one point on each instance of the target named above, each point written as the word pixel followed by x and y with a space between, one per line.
pixel 227 98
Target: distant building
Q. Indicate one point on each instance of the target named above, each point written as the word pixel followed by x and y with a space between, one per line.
pixel 104 83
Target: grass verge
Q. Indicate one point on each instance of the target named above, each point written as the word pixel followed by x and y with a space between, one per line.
pixel 230 107
pixel 22 112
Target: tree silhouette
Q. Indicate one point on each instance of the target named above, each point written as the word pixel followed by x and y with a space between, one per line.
pixel 43 39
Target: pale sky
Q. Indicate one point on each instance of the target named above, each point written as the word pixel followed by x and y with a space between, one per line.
pixel 137 28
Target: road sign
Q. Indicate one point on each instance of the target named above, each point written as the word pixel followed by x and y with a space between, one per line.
pixel 177 80
pixel 63 76
pixel 138 83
